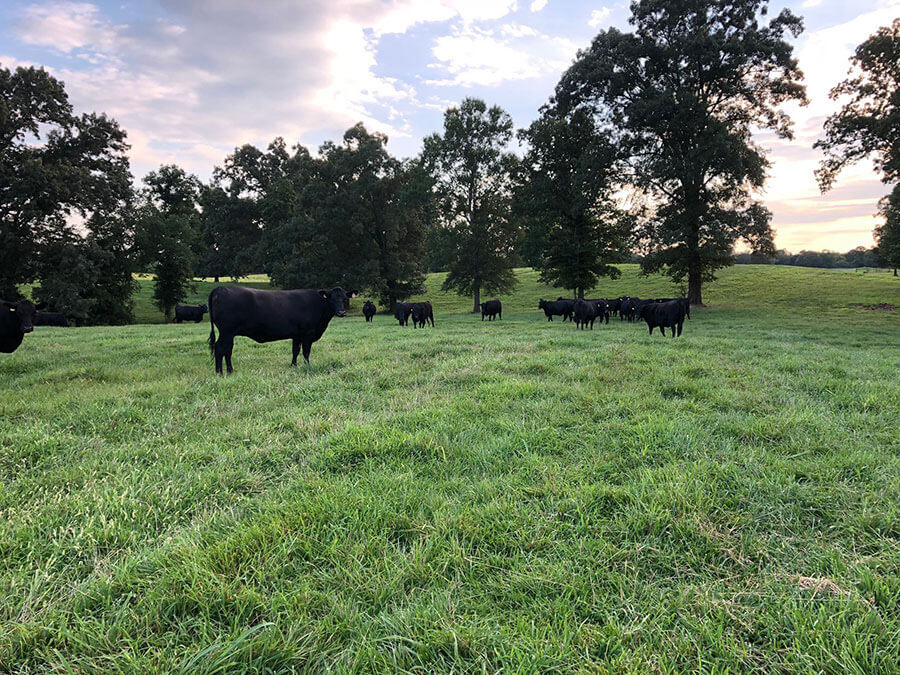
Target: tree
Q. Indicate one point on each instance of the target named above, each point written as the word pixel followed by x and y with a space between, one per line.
pixel 474 183
pixel 680 96
pixel 573 229
pixel 56 169
pixel 887 235
pixel 167 233
pixel 866 126
pixel 385 202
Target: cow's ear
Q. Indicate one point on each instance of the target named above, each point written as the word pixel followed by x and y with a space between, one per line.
pixel 324 293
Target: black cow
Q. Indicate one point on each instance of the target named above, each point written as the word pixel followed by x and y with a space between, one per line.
pixel 16 319
pixel 422 313
pixel 267 316
pixel 684 303
pixel 585 313
pixel 190 313
pixel 369 310
pixel 569 304
pixel 490 309
pixel 612 307
pixel 555 308
pixel 602 308
pixel 402 311
pixel 630 308
pixel 665 315
pixel 50 319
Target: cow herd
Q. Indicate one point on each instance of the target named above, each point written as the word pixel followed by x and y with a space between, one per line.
pixel 659 313
pixel 302 316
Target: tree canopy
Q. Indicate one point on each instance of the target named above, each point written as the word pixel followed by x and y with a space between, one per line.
pixel 474 183
pixel 680 97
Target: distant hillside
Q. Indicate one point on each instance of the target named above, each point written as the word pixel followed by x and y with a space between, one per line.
pixel 743 286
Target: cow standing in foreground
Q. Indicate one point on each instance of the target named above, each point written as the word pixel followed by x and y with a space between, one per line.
pixel 266 316
pixel 490 309
pixel 402 311
pixel 369 310
pixel 665 315
pixel 190 313
pixel 50 319
pixel 16 319
pixel 422 313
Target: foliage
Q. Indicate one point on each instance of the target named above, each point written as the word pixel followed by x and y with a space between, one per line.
pixel 56 169
pixel 564 200
pixel 680 97
pixel 167 232
pixel 474 182
pixel 887 235
pixel 866 125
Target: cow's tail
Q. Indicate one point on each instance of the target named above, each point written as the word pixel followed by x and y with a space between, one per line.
pixel 212 325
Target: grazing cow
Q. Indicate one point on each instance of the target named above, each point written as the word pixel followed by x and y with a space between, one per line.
pixel 555 308
pixel 602 308
pixel 665 315
pixel 369 310
pixel 16 319
pixel 684 303
pixel 266 316
pixel 50 319
pixel 422 313
pixel 402 311
pixel 190 313
pixel 569 304
pixel 585 313
pixel 490 309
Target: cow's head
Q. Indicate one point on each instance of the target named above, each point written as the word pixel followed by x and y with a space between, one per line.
pixel 338 299
pixel 541 303
pixel 23 312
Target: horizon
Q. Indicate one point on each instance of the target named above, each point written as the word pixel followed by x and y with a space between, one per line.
pixel 165 70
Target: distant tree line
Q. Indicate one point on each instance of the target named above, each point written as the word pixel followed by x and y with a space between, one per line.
pixel 857 257
pixel 644 152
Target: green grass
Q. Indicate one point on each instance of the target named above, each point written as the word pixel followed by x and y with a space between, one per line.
pixel 514 495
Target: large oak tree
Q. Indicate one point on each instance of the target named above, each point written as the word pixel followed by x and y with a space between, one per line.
pixel 868 125
pixel 474 183
pixel 680 96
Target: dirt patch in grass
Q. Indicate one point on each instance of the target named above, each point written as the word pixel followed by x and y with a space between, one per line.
pixel 880 307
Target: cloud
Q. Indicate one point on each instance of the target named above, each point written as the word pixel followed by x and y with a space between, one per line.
pixel 477 57
pixel 537 5
pixel 66 26
pixel 598 16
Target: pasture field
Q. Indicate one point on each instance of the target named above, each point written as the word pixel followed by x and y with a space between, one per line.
pixel 513 495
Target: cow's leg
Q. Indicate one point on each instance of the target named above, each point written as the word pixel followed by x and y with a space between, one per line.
pixel 662 329
pixel 306 347
pixel 680 325
pixel 651 328
pixel 219 352
pixel 227 346
pixel 295 350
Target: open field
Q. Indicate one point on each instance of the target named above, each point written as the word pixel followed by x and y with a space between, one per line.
pixel 512 495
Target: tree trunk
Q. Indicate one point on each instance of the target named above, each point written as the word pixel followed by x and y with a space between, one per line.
pixel 216 278
pixel 580 294
pixel 895 271
pixel 477 307
pixel 695 287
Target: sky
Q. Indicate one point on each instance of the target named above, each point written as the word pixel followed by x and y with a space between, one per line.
pixel 190 80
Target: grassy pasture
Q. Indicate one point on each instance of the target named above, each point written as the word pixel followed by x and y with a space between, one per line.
pixel 513 495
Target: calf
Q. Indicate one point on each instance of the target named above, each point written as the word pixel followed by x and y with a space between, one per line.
pixel 190 313
pixel 555 308
pixel 402 310
pixel 490 309
pixel 665 315
pixel 16 319
pixel 422 313
pixel 369 310
pixel 585 313
pixel 266 316
pixel 50 319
